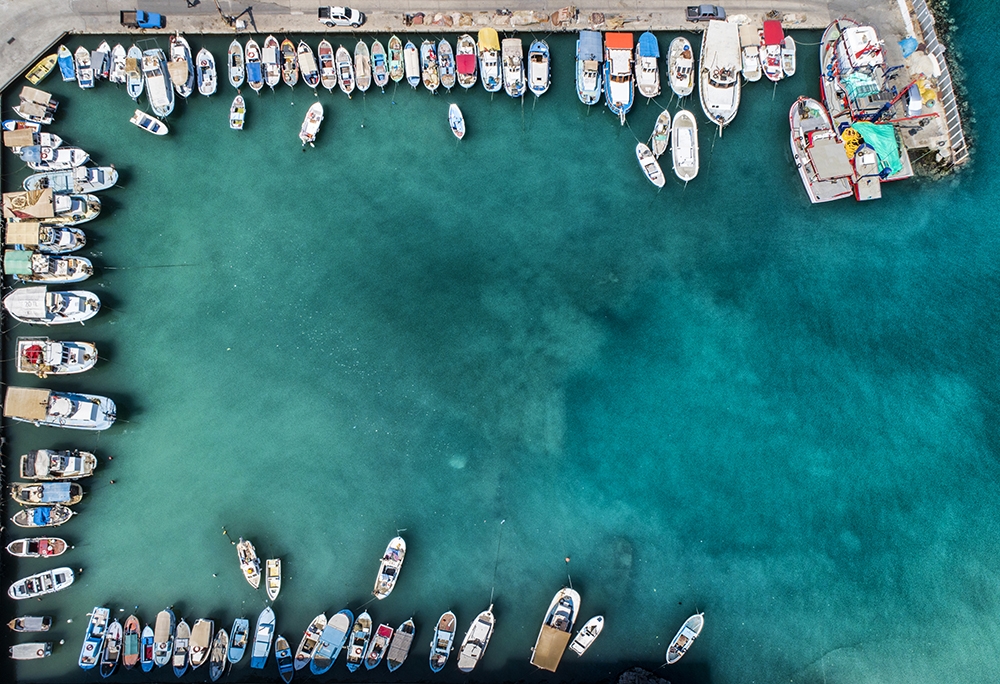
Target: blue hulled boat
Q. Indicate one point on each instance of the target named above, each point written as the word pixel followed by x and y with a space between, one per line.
pixel 331 642
pixel 67 69
pixel 262 639
pixel 619 89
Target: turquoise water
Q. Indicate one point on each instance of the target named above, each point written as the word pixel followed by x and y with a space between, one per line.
pixel 715 398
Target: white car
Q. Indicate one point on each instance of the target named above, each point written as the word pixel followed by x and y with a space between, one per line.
pixel 341 16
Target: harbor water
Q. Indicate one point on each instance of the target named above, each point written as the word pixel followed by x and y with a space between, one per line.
pixel 542 370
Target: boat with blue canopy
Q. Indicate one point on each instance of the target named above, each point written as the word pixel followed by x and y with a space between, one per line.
pixel 67 68
pixel 66 493
pixel 647 65
pixel 588 67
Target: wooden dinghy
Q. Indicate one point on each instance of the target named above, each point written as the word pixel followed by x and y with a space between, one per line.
pixel 400 645
pixel 685 636
pixel 217 658
pixel 273 583
pixel 130 643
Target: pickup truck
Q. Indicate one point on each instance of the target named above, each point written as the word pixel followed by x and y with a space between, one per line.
pixel 705 12
pixel 340 16
pixel 142 19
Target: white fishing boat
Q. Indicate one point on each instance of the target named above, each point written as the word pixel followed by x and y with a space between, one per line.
pixel 771 38
pixel 35 107
pixel 289 63
pixel 217 657
pixel 660 139
pixel 237 113
pixel 446 64
pixel 271 61
pixel 40 584
pixel 400 645
pixel 327 66
pixel 684 145
pixel 112 651
pixel 72 410
pixel 181 65
pixel 362 66
pixel 40 158
pixel 538 67
pixel 33 235
pixel 430 75
pixel 163 637
pixel 42 516
pixel 158 87
pixel 489 60
pixel 38 306
pixel 750 52
pixel 30 623
pixel 589 54
pixel 25 137
pixel 395 59
pixel 466 56
pixel 619 88
pixel 32 650
pixel 456 121
pixel 788 56
pixel 307 64
pixel 84 69
pixel 358 642
pixel 101 59
pixel 719 69
pixel 67 464
pixel 680 66
pixel 201 641
pixel 512 52
pixel 34 267
pixel 254 66
pixel 249 563
pixel 46 493
pixel 311 124
pixel 377 646
pixel 118 57
pixel 134 83
pixel 43 357
pixel 310 642
pixel 557 625
pixel 647 65
pixel 388 572
pixel 444 639
pixel 236 64
pixel 331 642
pixel 272 577
pixel 36 547
pixel 79 179
pixel 148 123
pixel 97 627
pixel 411 64
pixel 380 65
pixel 208 78
pixel 818 152
pixel 345 70
pixel 182 648
pixel 146 643
pixel 476 640
pixel 685 636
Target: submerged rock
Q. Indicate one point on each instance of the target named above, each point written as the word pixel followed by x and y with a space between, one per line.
pixel 637 675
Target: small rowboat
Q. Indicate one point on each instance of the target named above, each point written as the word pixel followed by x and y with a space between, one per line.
pixel 201 641
pixel 587 635
pixel 270 59
pixel 208 78
pixel 456 121
pixel 466 56
pixel 42 583
pixel 661 134
pixel 378 646
pixel 130 644
pixel 217 658
pixel 380 68
pixel 264 633
pixel 650 167
pixel 66 493
pixel 31 651
pixel 112 649
pixel 411 64
pixel 399 648
pixel 307 65
pixel 30 624
pixel 44 67
pixel 149 123
pixel 395 59
pixel 118 56
pixel 255 75
pixel 444 639
pixel 310 641
pixel 146 649
pixel 134 82
pixel 327 67
pixel 237 69
pixel 163 637
pixel 446 64
pixel 788 56
pixel 238 642
pixel 476 640
pixel 67 67
pixel 42 516
pixel 37 547
pixel 237 113
pixel 289 63
pixel 90 652
pixel 283 654
pixel 429 71
pixel 182 646
pixel 362 66
pixel 686 635
pixel 331 641
pixel 358 643
pixel 345 70
pixel 273 569
pixel 684 145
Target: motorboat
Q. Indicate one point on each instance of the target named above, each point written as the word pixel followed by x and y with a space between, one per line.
pixel 771 38
pixel 84 68
pixel 411 64
pixel 158 87
pixel 163 637
pixel 310 641
pixel 512 52
pixel 444 639
pixel 32 650
pixel 134 83
pixel 289 63
pixel 60 158
pixel 73 209
pixel 283 656
pixel 388 572
pixel 34 267
pixel 589 54
pixel 146 648
pixel 249 564
pixel 272 577
pixel 237 113
pixel 750 52
pixel 67 67
pixel 25 137
pixel 660 139
pixel 788 56
pixel 255 74
pixel 327 66
pixel 489 60
pixel 236 64
pixel 271 61
pixel 207 76
pixel 263 635
pixel 719 69
pixel 239 638
pixel 357 644
pixel 538 67
pixel 311 124
pixel 181 67
pixel 118 56
pixel 818 152
pixel 37 305
pixel 456 121
pixel 131 644
pixel 37 547
pixel 380 67
pixel 446 64
pixel 618 85
pixel 345 70
pixel 684 145
pixel 307 65
pixel 112 651
pixel 37 236
pixel 97 627
pixel 429 72
pixel 400 645
pixel 217 657
pixel 647 65
pixel 149 123
pixel 42 516
pixel 42 68
pixel 685 636
pixel 72 410
pixel 378 646
pixel 30 623
pixel 101 59
pixel 182 648
pixel 68 464
pixel 43 357
pixel 35 107
pixel 331 642
pixel 476 640
pixel 680 66
pixel 395 59
pixel 46 493
pixel 362 66
pixel 79 179
pixel 42 583
pixel 557 625
pixel 201 641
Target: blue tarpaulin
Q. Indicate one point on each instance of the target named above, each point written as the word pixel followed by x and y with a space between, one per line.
pixel 41 516
pixel 253 71
pixel 56 492
pixel 591 45
pixel 648 47
pixel 908 45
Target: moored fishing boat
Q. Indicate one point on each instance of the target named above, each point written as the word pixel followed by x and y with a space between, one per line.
pixel 647 65
pixel 660 139
pixel 429 73
pixel 273 576
pixel 512 52
pixel 84 68
pixel 263 635
pixel 307 65
pixel 32 650
pixel 476 640
pixel 680 66
pixel 249 564
pixel 271 62
pixel 411 64
pixel 619 88
pixel 466 56
pixel 327 67
pixel 30 623
pixel 34 267
pixel 163 637
pixel 289 63
pixel 240 636
pixel 235 64
pixel 217 657
pixel 750 52
pixel 685 636
pixel 101 59
pixel 182 648
pixel 395 59
pixel 37 547
pixel 42 357
pixel 380 66
pixel 146 649
pixel 181 65
pixel 130 642
pixel 378 646
pixel 255 73
pixel 42 516
pixel 79 179
pixel 25 137
pixel 719 68
pixel 40 584
pixel 788 56
pixel 538 67
pixel 345 70
pixel 201 640
pixel 97 626
pixel 72 410
pixel 207 76
pixel 39 158
pixel 684 145
pixel 446 64
pixel 112 650
pixel 34 106
pixel 67 67
pixel 400 645
pixel 362 66
pixel 307 134
pixel 456 121
pixel 331 642
pixel 133 72
pixel 38 306
pixel 388 572
pixel 358 642
pixel 237 113
pixel 557 625
pixel 588 67
pixel 771 37
pixel 283 656
pixel 310 641
pixel 818 152
pixel 42 68
pixel 444 639
pixel 118 56
pixel 43 238
pixel 149 123
pixel 489 60
pixel 47 493
pixel 158 88
pixel 46 464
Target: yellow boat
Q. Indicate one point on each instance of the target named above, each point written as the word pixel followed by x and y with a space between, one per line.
pixel 41 70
